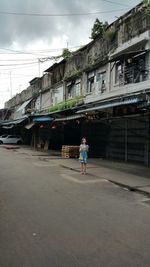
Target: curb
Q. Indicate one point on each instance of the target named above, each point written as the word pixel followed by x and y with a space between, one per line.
pixel 128 187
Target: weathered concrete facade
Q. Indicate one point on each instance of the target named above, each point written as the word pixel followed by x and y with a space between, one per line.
pixel 108 82
pixel 97 71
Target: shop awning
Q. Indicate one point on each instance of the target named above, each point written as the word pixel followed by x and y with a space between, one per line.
pixel 29 126
pixel 111 105
pixel 14 122
pixel 43 119
pixel 8 127
pixel 24 105
pixel 128 54
pixel 69 118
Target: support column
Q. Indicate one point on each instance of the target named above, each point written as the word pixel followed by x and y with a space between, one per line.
pixel 126 140
pixel 84 84
pixel 147 143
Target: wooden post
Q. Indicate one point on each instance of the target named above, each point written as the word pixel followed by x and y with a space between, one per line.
pixel 126 140
pixel 34 141
pixel 147 142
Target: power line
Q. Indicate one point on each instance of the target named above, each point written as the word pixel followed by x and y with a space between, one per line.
pixel 16 51
pixel 19 64
pixel 6 60
pixel 65 14
pixel 41 60
pixel 18 68
pixel 15 75
pixel 116 3
pixel 27 59
pixel 40 51
pixel 33 53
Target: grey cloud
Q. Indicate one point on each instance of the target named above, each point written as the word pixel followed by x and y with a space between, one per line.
pixel 25 29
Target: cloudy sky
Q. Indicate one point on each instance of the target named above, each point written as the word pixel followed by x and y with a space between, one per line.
pixel 30 30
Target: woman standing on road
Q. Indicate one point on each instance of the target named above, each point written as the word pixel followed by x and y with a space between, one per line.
pixel 84 148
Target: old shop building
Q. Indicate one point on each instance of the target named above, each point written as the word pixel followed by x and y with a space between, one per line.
pixel 102 91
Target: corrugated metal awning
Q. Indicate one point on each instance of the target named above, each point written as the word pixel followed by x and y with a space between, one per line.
pixel 69 118
pixel 8 127
pixel 23 105
pixel 43 119
pixel 29 126
pixel 14 122
pixel 111 105
pixel 127 54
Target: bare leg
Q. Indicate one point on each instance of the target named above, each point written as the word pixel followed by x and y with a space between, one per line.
pixel 82 168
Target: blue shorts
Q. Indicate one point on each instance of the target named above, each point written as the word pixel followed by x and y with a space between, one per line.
pixel 83 157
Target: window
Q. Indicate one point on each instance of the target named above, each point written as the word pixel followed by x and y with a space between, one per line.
pixel 91 84
pixel 71 91
pixel 11 136
pixel 78 89
pixel 119 72
pixel 74 90
pixel 58 95
pixel 101 81
pixel 132 68
pixel 135 69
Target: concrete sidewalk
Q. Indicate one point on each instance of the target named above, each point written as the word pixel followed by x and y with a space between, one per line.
pixel 132 177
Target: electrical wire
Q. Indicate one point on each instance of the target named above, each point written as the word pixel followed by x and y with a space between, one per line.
pixel 62 15
pixel 15 51
pixel 18 68
pixel 19 64
pixel 35 52
pixel 16 74
pixel 116 3
pixel 16 77
pixel 6 60
pixel 38 51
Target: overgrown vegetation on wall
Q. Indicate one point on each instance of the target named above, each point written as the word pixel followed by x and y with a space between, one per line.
pixel 147 5
pixel 66 104
pixel 98 29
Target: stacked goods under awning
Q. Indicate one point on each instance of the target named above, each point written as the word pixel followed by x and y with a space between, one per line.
pixel 70 151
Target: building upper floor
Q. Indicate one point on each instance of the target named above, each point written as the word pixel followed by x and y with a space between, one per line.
pixel 117 64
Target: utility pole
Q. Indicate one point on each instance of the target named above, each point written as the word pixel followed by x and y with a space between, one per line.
pixel 20 85
pixel 39 67
pixel 10 80
pixel 40 92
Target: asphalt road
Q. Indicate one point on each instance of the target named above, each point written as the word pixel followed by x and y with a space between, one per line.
pixel 53 217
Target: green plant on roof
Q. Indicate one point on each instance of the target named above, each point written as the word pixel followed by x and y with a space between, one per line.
pixel 147 6
pixel 66 104
pixel 98 29
pixel 110 34
pixel 66 53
